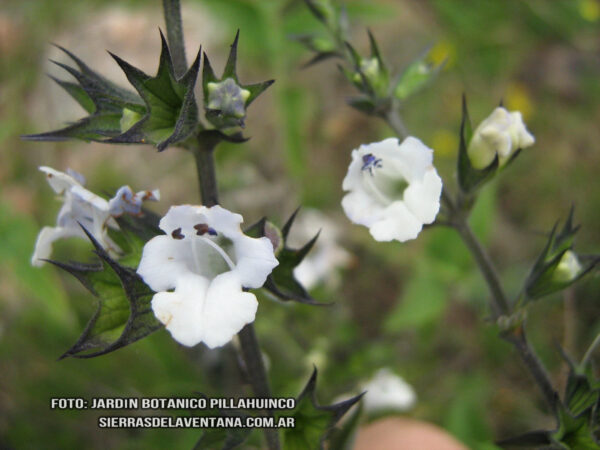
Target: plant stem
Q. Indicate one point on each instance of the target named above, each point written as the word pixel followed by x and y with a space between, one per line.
pixel 501 307
pixel 172 12
pixel 203 152
pixel 499 302
pixel 394 120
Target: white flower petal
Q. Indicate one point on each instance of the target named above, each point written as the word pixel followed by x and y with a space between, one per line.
pixel 206 311
pixel 43 244
pixel 397 223
pixel 423 197
pixel 394 189
pixel 181 311
pixel 59 181
pixel 361 208
pixel 227 310
pixel 255 260
pixel 164 261
pixel 387 391
pixel 502 133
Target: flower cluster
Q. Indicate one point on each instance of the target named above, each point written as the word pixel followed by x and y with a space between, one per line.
pixel 83 208
pixel 393 188
pixel 199 270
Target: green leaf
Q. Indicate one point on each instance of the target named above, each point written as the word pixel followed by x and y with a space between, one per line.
pixel 469 178
pixel 281 282
pixel 222 438
pixel 574 431
pixel 172 113
pixel 416 76
pixel 313 422
pixel 102 99
pixel 124 314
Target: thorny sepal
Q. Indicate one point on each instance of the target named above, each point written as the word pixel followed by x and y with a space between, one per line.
pixel 226 99
pixel 416 76
pixel 313 422
pixel 469 178
pixel 124 314
pixel 281 282
pixel 557 266
pixel 107 104
pixel 133 233
pixel 171 110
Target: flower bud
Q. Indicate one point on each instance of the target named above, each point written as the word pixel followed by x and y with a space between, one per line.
pixel 227 102
pixel 502 133
pixel 568 268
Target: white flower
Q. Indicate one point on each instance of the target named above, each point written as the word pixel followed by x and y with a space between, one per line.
pixel 387 391
pixel 502 133
pixel 199 269
pixel 81 206
pixel 322 262
pixel 568 267
pixel 394 188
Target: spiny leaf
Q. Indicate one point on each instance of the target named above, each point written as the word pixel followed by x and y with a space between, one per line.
pixel 102 99
pixel 124 314
pixel 469 178
pixel 225 98
pixel 313 422
pixel 172 113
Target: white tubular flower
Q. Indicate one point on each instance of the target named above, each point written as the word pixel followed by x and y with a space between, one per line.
pixel 199 269
pixel 394 188
pixel 502 133
pixel 81 206
pixel 388 392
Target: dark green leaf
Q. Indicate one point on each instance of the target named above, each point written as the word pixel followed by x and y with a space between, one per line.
pixel 104 101
pixel 313 422
pixel 124 314
pixel 172 113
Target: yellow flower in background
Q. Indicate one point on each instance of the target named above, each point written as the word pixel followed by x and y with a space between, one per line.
pixel 518 98
pixel 442 51
pixel 589 10
pixel 445 143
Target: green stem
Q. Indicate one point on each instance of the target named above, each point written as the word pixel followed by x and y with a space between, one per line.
pixel 394 120
pixel 172 12
pixel 500 305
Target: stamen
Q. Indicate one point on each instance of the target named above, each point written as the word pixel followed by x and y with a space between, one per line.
pixel 370 162
pixel 202 229
pixel 176 234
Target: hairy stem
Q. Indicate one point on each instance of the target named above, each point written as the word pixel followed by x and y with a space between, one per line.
pixel 172 12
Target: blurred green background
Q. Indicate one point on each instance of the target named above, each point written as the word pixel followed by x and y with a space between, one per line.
pixel 418 308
